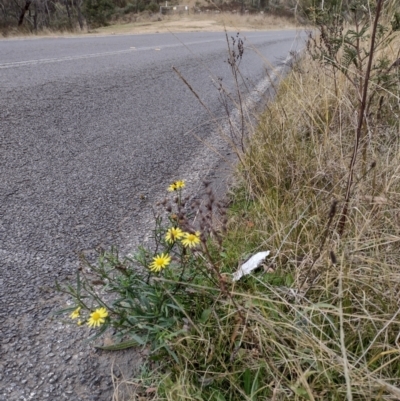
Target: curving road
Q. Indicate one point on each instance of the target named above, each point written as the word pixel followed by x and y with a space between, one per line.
pixel 92 129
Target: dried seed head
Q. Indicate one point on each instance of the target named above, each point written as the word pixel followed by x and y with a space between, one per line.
pixel 98 282
pixel 332 211
pixel 333 257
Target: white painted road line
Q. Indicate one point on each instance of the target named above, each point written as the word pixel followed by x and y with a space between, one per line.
pixel 25 63
pixel 104 54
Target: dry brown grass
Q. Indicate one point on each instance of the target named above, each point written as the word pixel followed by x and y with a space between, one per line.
pixel 145 23
pixel 323 317
pixel 345 287
pixel 210 22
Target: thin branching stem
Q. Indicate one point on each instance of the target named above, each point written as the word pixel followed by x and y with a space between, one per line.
pixel 361 116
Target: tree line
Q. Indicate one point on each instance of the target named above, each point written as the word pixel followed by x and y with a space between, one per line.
pixel 35 15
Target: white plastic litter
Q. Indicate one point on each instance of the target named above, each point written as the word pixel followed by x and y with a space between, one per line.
pixel 250 265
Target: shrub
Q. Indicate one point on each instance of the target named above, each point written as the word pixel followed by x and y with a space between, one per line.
pixel 153 7
pixel 98 12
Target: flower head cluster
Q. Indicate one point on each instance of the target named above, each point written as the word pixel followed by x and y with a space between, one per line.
pixel 174 234
pixel 176 185
pixel 76 313
pixel 190 240
pixel 160 262
pixel 97 317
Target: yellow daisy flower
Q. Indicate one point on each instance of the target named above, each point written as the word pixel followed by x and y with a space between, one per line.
pixel 176 185
pixel 191 240
pixel 173 234
pixel 97 317
pixel 160 262
pixel 180 184
pixel 76 313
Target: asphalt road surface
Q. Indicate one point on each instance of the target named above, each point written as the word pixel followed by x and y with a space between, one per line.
pixel 92 131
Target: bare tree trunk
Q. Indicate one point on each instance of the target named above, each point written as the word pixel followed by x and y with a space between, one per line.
pixel 47 13
pixel 35 17
pixel 23 11
pixel 68 12
pixel 77 4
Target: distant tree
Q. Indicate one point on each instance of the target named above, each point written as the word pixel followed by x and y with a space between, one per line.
pixel 24 9
pixel 98 12
pixel 78 5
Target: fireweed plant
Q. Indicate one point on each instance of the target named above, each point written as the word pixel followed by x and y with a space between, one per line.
pixel 145 297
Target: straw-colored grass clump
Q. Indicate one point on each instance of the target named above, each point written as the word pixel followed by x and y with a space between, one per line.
pixel 321 320
pixel 337 331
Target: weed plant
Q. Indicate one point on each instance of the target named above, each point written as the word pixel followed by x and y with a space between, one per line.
pixel 320 319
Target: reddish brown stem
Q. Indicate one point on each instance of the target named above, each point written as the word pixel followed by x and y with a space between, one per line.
pixel 343 218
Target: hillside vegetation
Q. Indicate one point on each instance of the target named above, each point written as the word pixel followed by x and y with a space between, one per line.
pixel 34 16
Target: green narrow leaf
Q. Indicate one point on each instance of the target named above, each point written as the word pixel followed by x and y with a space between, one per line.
pixel 217 396
pixel 102 330
pixel 205 315
pixel 121 345
pixel 255 385
pixel 172 353
pixel 289 280
pixel 64 310
pixel 78 283
pixel 300 391
pixel 247 381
